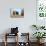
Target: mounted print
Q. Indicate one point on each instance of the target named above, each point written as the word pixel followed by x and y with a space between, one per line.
pixel 17 13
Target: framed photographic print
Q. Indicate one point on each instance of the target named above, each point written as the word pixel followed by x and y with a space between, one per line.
pixel 17 12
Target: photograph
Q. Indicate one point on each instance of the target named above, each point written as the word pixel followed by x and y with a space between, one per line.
pixel 17 12
pixel 22 22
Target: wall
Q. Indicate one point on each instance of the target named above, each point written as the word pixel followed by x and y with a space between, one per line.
pixel 23 23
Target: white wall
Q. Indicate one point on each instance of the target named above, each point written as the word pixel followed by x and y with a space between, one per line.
pixel 23 23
